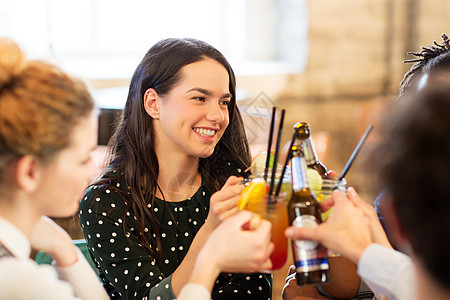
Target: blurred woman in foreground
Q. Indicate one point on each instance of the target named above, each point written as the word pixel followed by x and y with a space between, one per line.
pixel 48 130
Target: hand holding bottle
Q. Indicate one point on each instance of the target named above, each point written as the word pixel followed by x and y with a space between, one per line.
pixel 346 230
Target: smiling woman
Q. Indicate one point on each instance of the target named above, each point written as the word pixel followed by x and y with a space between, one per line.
pixel 175 162
pixel 191 120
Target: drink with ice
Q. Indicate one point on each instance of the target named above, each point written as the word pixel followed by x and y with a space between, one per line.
pixel 255 198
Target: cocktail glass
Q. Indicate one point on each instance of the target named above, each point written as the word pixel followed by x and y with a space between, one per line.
pixel 324 189
pixel 274 209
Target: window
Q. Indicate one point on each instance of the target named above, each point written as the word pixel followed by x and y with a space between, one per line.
pixel 105 39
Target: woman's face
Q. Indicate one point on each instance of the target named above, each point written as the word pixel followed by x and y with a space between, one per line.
pixel 194 114
pixel 64 179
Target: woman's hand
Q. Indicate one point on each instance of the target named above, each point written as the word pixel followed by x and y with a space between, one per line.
pixel 223 203
pixel 234 249
pixel 230 248
pixel 47 236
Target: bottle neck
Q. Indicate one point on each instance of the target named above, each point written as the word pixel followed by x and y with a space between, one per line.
pixel 299 173
pixel 309 150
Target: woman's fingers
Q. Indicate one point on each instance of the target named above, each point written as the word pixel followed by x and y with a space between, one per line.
pixel 241 218
pixel 229 193
pixel 267 265
pixel 232 180
pixel 366 208
pixel 377 231
pixel 327 204
pixel 264 230
pixel 354 197
pixel 223 203
pixel 332 174
pixel 302 233
pixel 339 195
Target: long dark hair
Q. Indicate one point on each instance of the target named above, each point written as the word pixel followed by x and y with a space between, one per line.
pixel 131 150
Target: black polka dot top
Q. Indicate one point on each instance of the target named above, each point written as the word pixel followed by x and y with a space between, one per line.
pixel 128 270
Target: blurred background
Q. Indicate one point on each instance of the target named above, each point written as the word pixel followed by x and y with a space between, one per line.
pixel 333 64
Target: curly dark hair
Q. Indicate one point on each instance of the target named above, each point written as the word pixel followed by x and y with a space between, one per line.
pixel 433 58
pixel 413 161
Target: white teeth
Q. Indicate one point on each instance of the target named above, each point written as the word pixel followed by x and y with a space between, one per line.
pixel 205 132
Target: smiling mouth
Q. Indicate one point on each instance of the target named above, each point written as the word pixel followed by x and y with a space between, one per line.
pixel 205 132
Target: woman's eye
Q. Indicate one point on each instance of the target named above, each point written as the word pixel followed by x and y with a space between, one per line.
pixel 202 99
pixel 225 102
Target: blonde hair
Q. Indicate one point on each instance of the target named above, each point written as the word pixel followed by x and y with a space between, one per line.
pixel 39 106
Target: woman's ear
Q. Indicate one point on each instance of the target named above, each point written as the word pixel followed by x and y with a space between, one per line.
pixel 151 103
pixel 27 173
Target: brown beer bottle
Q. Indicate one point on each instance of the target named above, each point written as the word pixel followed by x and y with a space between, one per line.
pixel 310 257
pixel 304 140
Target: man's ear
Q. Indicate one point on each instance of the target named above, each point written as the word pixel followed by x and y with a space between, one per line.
pixel 396 232
pixel 27 173
pixel 151 103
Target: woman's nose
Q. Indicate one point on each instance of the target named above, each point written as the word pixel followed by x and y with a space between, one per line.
pixel 215 113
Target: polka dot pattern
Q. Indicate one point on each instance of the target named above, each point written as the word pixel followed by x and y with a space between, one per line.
pixel 130 271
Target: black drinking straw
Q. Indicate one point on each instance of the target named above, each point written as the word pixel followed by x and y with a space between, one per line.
pixel 269 144
pixel 288 158
pixel 355 152
pixel 275 159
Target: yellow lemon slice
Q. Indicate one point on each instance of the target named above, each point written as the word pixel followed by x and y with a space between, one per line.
pixel 315 181
pixel 253 193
